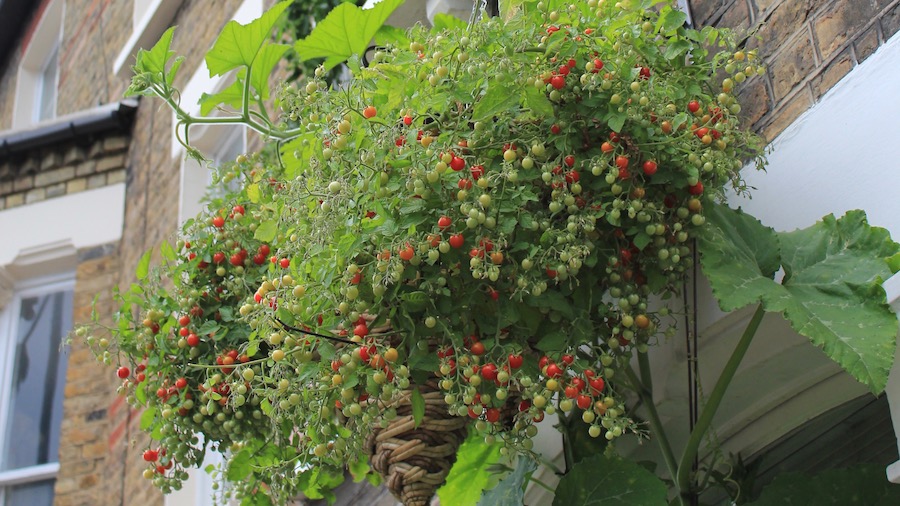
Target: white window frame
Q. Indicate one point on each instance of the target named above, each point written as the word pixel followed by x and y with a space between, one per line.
pixel 8 318
pixel 196 176
pixel 44 41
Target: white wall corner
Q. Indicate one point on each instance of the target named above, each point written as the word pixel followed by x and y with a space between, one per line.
pixel 892 290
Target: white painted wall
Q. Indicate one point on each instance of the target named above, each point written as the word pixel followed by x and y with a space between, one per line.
pixel 85 219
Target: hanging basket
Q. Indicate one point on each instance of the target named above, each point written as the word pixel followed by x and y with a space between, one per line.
pixel 415 460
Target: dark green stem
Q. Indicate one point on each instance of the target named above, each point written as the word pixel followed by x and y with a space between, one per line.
pixel 643 389
pixel 684 478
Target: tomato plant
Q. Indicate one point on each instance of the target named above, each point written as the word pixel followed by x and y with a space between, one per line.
pixel 489 210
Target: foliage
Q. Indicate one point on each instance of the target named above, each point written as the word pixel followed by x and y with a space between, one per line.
pixel 604 479
pixel 863 484
pixel 489 209
pixel 831 290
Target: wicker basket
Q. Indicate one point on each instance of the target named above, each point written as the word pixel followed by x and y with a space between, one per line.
pixel 415 461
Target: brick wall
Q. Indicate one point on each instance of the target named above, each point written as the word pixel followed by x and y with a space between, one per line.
pixel 808 46
pixel 85 464
pixel 65 169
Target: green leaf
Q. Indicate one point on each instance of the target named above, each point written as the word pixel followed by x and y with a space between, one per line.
pixel 239 466
pixel 609 481
pixel 143 267
pixel 266 231
pixel 863 485
pixel 359 469
pixel 156 59
pixel 670 19
pixel 511 489
pixel 239 45
pixel 469 475
pixel 538 102
pixel 347 30
pixel 443 21
pixel 148 417
pixel 831 292
pixel 499 97
pixel 617 121
pixel 418 406
pixel 253 193
pixel 553 341
pixel 676 49
pixel 739 256
pixel 265 62
pixel 893 262
pixel 833 274
pixel 167 251
pixel 391 35
pixel 232 96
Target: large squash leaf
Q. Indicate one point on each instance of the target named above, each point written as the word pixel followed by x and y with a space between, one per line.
pixel 345 31
pixel 831 292
pixel 238 45
pixel 609 481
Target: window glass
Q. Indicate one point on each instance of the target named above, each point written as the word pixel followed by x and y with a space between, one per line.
pixel 39 493
pixel 47 101
pixel 35 399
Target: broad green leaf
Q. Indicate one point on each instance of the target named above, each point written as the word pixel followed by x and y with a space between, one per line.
pixel 537 101
pixel 863 485
pixel 617 121
pixel 833 274
pixel 347 30
pixel 239 466
pixel 469 475
pixel 167 251
pixel 676 48
pixel 391 35
pixel 239 45
pixel 232 96
pixel 359 469
pixel 156 59
pixel 739 256
pixel 418 406
pixel 143 267
pixel 670 19
pixel 609 481
pixel 831 292
pixel 253 192
pixel 266 60
pixel 498 98
pixel 444 21
pixel 894 263
pixel 266 231
pixel 511 489
pixel 147 417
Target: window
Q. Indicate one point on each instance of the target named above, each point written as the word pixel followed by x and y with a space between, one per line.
pixel 37 77
pixel 45 104
pixel 32 328
pixel 220 144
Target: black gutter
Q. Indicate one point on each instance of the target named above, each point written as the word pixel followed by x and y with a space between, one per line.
pixel 117 116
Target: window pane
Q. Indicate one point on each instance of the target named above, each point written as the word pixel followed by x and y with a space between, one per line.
pixel 47 103
pixel 39 375
pixel 39 493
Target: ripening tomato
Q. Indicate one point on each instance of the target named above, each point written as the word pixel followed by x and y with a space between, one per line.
pixel 369 111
